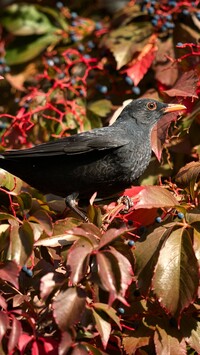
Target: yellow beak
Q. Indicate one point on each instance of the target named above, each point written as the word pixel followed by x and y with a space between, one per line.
pixel 174 107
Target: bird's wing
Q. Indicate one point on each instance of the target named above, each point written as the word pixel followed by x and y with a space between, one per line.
pixel 76 144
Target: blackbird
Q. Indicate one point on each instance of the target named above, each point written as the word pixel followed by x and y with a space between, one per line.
pixel 104 160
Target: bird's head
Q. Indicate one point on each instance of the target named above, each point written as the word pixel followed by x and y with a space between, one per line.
pixel 147 112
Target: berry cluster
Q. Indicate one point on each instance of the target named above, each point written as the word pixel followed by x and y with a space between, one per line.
pixel 164 13
pixel 4 68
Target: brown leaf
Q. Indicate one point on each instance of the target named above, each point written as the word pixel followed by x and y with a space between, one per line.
pixel 167 343
pixel 78 259
pixel 125 41
pixel 9 271
pixel 109 274
pixel 103 327
pixel 188 173
pixel 68 307
pixel 17 81
pixel 16 331
pixel 154 196
pixel 176 276
pixel 110 235
pixel 146 256
pixel 134 339
pixel 185 86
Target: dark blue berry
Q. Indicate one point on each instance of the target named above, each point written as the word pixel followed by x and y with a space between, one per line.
pixel 180 215
pixel 74 38
pixel 61 75
pixel 158 219
pixel 81 47
pixel 74 23
pixel 151 10
pixel 128 80
pixel 172 3
pixel 163 28
pixel 131 243
pixel 154 22
pixel 50 62
pixel 27 271
pixel 98 26
pixel 87 56
pixel 2 60
pixel 169 17
pixel 59 5
pixel 91 44
pixel 74 14
pixel 198 15
pixel 7 69
pixel 179 44
pixel 136 90
pixel 56 60
pixel 185 12
pixel 81 92
pixel 142 229
pixel 169 24
pixel 121 310
pixel 102 88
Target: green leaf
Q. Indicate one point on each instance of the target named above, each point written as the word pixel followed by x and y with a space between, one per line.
pixel 10 182
pixel 176 276
pixel 126 41
pixel 101 107
pixel 21 52
pixel 25 20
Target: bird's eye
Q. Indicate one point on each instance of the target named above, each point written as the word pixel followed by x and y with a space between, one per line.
pixel 151 106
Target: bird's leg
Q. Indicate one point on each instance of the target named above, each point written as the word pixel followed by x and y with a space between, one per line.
pixel 127 201
pixel 71 202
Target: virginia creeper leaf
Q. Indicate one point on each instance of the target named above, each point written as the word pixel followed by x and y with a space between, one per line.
pixel 103 327
pixel 175 281
pixel 78 259
pixel 4 324
pixel 68 306
pixel 9 271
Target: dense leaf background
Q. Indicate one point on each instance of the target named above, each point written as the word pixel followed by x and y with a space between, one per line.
pixel 122 283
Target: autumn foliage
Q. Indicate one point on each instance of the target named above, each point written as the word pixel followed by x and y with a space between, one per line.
pixel 122 283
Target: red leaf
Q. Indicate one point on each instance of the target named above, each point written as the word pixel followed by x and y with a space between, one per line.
pixel 110 235
pixel 24 339
pixel 4 323
pixel 65 343
pixel 15 333
pixel 48 283
pixel 185 86
pixel 125 271
pixel 10 272
pixel 109 274
pixel 139 66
